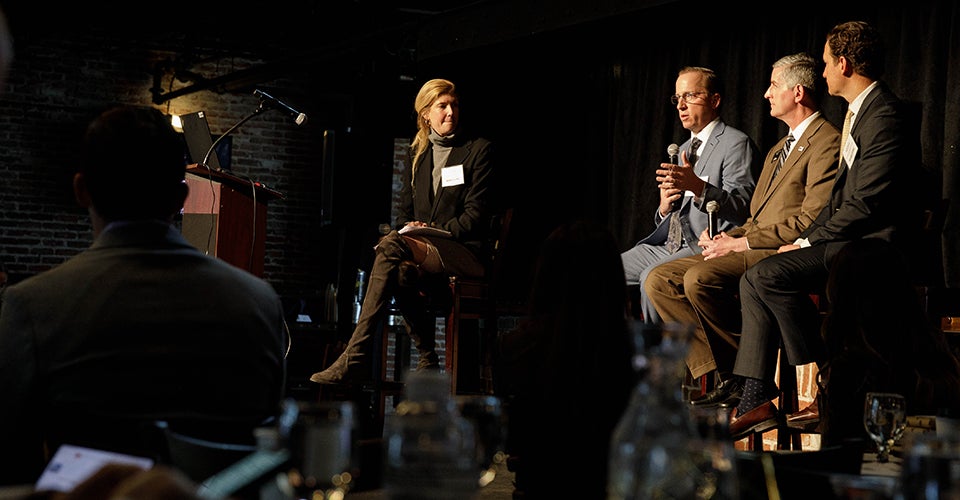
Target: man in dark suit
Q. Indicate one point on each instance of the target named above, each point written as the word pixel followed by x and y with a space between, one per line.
pixel 878 154
pixel 139 327
pixel 794 186
pixel 720 168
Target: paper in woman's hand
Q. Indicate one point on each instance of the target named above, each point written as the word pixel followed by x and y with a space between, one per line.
pixel 425 231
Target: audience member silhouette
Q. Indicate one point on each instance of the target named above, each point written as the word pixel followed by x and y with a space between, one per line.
pixel 574 345
pixel 140 326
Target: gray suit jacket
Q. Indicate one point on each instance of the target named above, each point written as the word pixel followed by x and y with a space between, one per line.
pixel 728 162
pixel 138 327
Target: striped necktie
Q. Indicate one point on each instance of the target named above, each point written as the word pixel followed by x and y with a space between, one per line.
pixel 694 146
pixel 782 156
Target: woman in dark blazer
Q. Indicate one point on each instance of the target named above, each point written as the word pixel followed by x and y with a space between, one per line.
pixel 443 228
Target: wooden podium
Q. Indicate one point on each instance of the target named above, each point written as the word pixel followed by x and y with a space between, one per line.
pixel 226 216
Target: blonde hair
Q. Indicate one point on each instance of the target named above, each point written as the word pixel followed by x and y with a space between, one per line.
pixel 429 93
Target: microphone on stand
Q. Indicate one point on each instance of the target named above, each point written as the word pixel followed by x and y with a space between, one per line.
pixel 299 118
pixel 265 98
pixel 712 208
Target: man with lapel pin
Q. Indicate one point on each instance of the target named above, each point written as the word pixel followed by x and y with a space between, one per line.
pixel 794 186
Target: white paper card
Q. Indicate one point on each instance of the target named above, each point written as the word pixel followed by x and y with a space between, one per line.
pixel 71 465
pixel 451 176
pixel 849 150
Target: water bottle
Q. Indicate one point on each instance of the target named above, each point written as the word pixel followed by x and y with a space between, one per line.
pixel 330 304
pixel 657 449
pixel 430 449
pixel 360 288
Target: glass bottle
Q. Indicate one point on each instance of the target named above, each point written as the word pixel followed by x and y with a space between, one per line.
pixel 430 449
pixel 657 450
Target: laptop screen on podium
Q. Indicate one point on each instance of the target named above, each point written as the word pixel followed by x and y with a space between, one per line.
pixel 196 132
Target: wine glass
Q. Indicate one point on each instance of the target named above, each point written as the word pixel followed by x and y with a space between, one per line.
pixel 885 418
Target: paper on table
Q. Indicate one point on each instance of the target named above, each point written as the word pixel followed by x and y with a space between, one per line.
pixel 71 465
pixel 425 231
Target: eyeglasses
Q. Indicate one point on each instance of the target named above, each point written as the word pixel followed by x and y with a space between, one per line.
pixel 688 97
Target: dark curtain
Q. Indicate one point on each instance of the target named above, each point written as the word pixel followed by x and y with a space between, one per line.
pixel 582 114
pixel 923 67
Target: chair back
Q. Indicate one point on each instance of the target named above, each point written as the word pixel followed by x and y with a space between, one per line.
pixel 200 458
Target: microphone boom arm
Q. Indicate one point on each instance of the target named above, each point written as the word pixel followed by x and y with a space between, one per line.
pixel 229 131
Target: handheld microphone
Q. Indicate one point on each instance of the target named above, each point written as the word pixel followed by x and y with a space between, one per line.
pixel 299 118
pixel 673 150
pixel 712 208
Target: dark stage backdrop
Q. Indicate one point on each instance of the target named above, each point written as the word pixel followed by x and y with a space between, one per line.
pixel 583 118
pixel 578 109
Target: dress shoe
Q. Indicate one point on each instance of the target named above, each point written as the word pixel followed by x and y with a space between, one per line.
pixel 806 419
pixel 759 419
pixel 728 392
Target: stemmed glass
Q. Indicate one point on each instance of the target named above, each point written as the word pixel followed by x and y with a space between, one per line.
pixel 885 418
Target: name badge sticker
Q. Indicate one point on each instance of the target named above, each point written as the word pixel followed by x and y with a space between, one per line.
pixel 451 176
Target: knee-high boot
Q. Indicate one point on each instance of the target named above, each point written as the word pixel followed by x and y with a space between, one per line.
pixel 355 361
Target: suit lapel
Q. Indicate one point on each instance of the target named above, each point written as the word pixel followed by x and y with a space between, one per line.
pixel 768 169
pixel 861 115
pixel 708 148
pixel 424 178
pixel 802 144
pixel 799 149
pixel 456 157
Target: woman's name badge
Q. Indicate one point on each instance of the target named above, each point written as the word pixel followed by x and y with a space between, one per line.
pixel 451 176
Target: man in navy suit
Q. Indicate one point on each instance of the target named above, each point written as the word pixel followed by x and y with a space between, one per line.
pixel 878 154
pixel 139 327
pixel 720 169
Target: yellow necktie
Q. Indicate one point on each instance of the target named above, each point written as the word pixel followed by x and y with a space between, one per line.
pixel 846 132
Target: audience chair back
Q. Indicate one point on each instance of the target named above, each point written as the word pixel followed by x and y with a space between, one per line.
pixel 201 457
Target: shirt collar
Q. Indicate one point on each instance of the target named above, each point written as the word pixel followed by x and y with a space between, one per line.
pixel 798 132
pixel 857 103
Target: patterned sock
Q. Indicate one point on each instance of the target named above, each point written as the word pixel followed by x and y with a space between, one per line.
pixel 755 393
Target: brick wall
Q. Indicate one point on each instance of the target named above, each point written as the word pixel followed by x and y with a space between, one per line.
pixel 58 83
pixel 401 147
